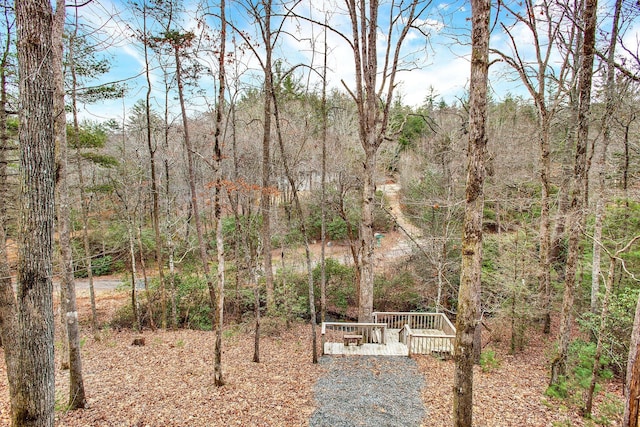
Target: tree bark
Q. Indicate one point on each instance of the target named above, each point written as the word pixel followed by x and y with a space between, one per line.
pixel 155 192
pixel 602 158
pixel 631 416
pixel 217 208
pixel 579 181
pixel 265 197
pixel 303 230
pixel 34 405
pixel 84 199
pixel 467 318
pixel 77 398
pixel 373 118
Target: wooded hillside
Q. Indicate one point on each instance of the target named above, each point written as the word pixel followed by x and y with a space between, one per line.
pixel 244 183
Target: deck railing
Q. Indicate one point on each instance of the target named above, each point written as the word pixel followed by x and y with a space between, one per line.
pixel 372 333
pixel 396 320
pixel 428 344
pixel 417 342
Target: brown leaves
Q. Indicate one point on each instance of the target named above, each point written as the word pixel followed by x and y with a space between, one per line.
pixel 169 381
pixel 511 395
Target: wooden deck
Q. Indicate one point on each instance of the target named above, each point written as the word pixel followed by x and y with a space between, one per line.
pixel 391 334
pixel 393 347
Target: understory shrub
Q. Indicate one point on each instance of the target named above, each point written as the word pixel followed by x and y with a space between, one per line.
pixel 396 293
pixel 580 367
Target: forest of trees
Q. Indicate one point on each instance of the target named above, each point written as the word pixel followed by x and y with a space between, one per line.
pixel 229 152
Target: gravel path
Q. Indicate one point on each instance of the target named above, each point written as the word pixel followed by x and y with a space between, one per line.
pixel 368 391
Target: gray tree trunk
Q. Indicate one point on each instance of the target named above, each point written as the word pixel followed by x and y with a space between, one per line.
pixel 34 405
pixel 155 192
pixel 578 196
pixel 67 286
pixel 265 196
pixel 372 119
pixel 218 320
pixel 467 318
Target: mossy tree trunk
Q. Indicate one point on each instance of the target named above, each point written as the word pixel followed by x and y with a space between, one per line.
pixel 467 319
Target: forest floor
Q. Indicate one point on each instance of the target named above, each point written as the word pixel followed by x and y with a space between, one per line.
pixel 169 381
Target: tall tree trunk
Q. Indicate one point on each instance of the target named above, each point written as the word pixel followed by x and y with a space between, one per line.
pixel 265 197
pixel 168 215
pixel 303 230
pixel 84 198
pixel 34 405
pixel 155 193
pixel 365 297
pixel 135 305
pixel 217 208
pixel 373 118
pixel 602 159
pixel 467 318
pixel 202 245
pixel 545 222
pixel 323 189
pixel 577 214
pixel 67 286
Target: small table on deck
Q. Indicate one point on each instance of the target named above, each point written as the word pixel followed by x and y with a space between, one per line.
pixel 352 339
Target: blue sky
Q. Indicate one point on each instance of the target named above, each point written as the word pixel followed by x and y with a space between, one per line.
pixel 439 63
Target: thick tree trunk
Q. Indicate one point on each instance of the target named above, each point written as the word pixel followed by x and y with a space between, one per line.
pixel 365 297
pixel 467 318
pixel 34 405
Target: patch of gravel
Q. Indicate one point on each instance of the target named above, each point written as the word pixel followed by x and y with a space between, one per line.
pixel 368 391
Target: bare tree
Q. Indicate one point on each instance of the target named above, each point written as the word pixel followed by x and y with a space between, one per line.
pixel 373 118
pixel 217 208
pixel 614 258
pixel 155 192
pixel 578 188
pixel 467 318
pixel 67 286
pixel 303 230
pixel 544 20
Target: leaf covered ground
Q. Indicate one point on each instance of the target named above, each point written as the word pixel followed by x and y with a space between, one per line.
pixel 169 382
